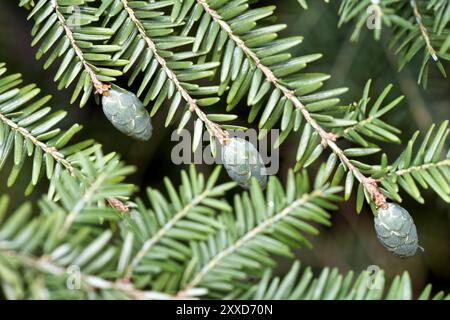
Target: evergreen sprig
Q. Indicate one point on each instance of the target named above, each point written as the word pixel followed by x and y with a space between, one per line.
pixel 36 260
pixel 27 129
pixel 416 26
pixel 253 61
pixel 147 37
pixel 192 242
pixel 163 232
pixel 426 166
pixel 65 30
pixel 68 236
pixel 330 285
pixel 261 226
pixel 88 261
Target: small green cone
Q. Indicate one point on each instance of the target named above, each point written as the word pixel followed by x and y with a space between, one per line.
pixel 396 230
pixel 127 113
pixel 243 162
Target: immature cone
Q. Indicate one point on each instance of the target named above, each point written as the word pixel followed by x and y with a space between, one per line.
pixel 127 113
pixel 396 230
pixel 242 162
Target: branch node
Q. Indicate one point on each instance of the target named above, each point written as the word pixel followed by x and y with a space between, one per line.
pixel 102 89
pixel 118 205
pixel 372 187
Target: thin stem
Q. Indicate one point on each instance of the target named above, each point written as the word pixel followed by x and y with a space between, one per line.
pixel 100 87
pixel 162 232
pixel 245 239
pixel 52 151
pixel 362 123
pixel 328 138
pixel 216 130
pixel 421 167
pixel 423 30
pixel 44 264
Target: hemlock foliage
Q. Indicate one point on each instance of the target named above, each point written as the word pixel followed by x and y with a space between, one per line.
pixel 416 27
pixel 91 232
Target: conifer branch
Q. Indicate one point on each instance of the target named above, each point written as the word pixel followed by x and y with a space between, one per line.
pixel 416 26
pixel 216 130
pixel 99 86
pixel 246 238
pixel 330 284
pixel 52 151
pixel 148 244
pixel 46 265
pixel 191 242
pixel 327 138
pixel 426 166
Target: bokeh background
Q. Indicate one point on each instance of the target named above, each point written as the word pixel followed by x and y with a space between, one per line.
pixel 350 244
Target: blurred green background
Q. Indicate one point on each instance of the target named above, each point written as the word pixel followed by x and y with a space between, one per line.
pixel 351 242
